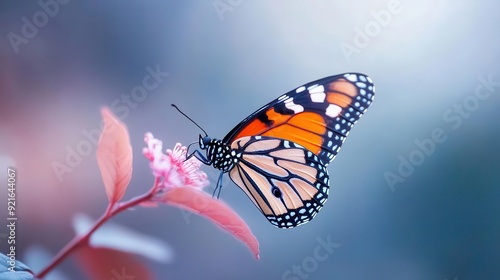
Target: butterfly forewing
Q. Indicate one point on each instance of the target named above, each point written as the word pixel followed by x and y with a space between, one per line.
pixel 317 116
pixel 288 183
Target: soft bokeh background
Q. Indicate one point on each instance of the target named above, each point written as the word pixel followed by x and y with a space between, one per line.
pixel 442 222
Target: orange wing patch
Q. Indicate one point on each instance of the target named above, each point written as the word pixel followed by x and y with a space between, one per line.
pixel 307 139
pixel 314 122
pixel 341 93
pixel 250 129
pixel 257 126
pixel 305 129
pixel 339 99
pixel 343 86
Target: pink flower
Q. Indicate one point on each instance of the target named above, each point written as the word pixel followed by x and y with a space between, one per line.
pixel 172 169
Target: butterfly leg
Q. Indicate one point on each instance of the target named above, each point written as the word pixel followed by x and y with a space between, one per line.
pixel 189 146
pixel 218 186
pixel 197 154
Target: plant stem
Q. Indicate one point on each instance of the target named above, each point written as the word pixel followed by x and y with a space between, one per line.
pixel 80 240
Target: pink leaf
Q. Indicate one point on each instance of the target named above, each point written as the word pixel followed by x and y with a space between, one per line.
pixel 114 155
pixel 202 204
pixel 104 263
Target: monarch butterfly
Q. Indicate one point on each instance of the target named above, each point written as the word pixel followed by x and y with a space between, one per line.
pixel 279 154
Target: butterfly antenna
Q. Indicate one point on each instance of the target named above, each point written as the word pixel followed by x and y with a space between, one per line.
pixel 173 105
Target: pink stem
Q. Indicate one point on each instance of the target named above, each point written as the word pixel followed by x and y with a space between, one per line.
pixel 81 240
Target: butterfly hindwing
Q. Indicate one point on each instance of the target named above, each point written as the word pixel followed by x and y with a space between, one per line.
pixel 317 115
pixel 288 183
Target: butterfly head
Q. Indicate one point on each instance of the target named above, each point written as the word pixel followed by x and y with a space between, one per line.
pixel 204 142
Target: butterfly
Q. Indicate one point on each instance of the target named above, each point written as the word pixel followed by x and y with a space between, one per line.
pixel 279 154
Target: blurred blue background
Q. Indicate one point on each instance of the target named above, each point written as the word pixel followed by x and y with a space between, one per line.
pixel 396 211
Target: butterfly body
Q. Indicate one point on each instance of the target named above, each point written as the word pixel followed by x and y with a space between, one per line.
pixel 219 154
pixel 279 154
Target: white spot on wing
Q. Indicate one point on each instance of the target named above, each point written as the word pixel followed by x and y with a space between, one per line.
pixel 361 85
pixel 286 144
pixel 317 89
pixel 300 89
pixel 351 77
pixel 333 110
pixel 318 97
pixel 294 107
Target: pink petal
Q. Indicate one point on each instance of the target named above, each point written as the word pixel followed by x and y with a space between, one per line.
pixel 204 205
pixel 114 155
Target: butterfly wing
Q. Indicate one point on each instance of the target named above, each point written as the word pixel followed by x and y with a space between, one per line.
pixel 317 115
pixel 288 183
